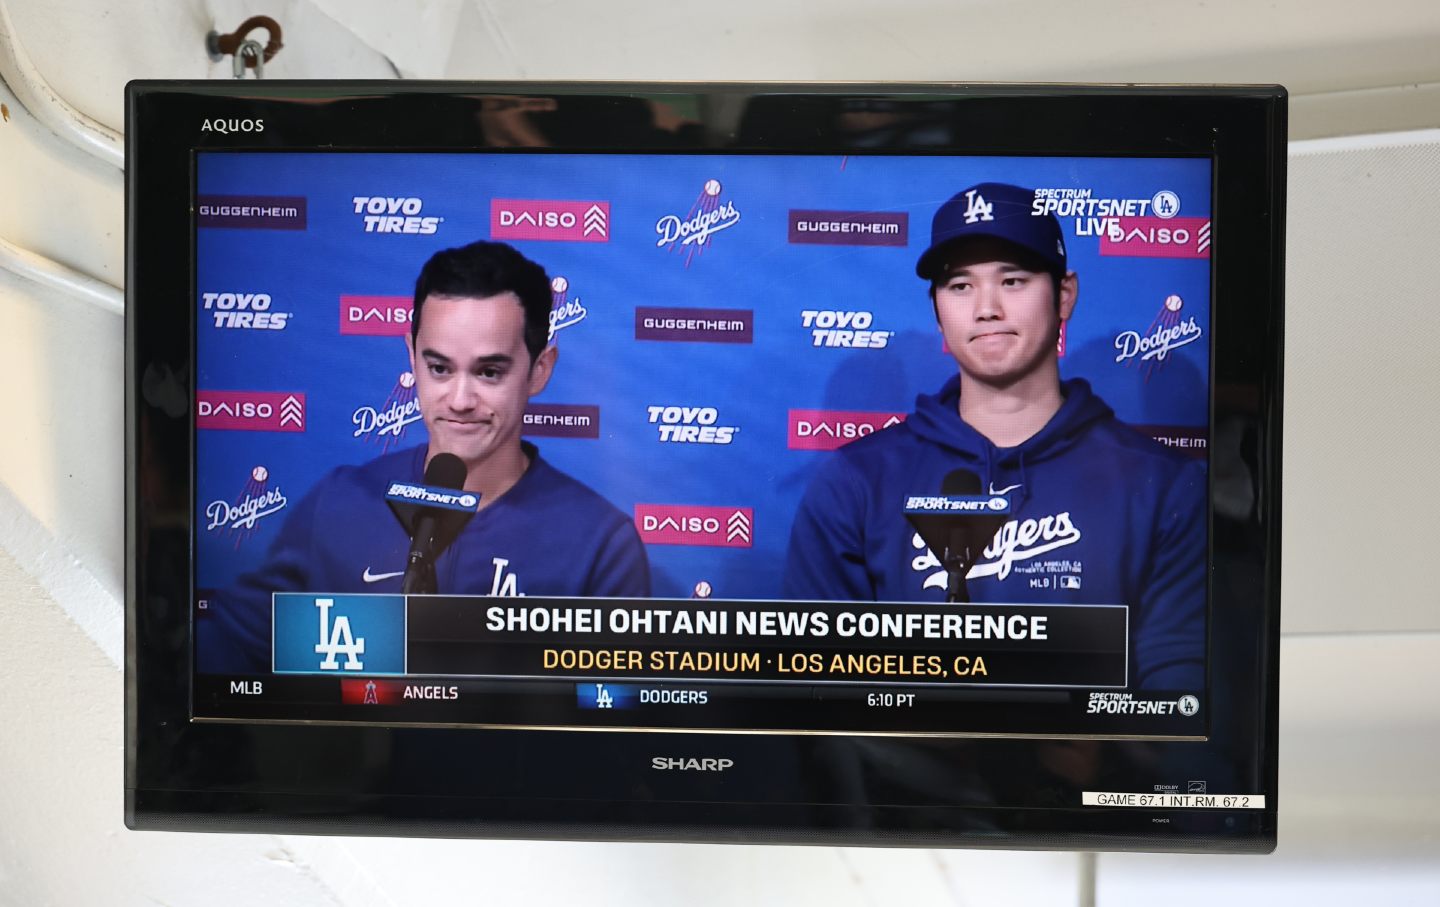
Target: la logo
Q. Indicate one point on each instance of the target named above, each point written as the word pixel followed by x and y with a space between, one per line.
pixel 503 582
pixel 976 208
pixel 337 639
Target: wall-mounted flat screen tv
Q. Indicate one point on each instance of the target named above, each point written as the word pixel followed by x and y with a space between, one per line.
pixel 846 464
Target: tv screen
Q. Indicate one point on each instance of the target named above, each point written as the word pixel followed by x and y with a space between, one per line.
pixel 640 462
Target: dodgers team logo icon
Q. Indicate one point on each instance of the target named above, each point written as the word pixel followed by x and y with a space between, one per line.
pixel 386 423
pixel 1169 331
pixel 564 309
pixel 338 634
pixel 256 501
pixel 690 234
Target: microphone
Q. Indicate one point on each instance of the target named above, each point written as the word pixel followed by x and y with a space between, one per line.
pixel 957 524
pixel 444 471
pixel 957 557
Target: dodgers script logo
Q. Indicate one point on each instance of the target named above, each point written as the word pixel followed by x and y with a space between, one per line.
pixel 1016 541
pixel 338 634
pixel 564 311
pixel 386 424
pixel 1169 331
pixel 707 217
pixel 256 501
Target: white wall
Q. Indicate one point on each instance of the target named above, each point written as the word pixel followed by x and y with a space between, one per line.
pixel 1361 653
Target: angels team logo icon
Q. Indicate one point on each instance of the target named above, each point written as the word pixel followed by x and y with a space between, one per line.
pixel 386 423
pixel 690 234
pixel 564 309
pixel 1168 331
pixel 257 500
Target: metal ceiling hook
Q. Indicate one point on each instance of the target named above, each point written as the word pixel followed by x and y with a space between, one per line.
pixel 249 53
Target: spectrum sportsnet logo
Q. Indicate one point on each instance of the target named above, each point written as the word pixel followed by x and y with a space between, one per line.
pixel 550 219
pixel 1097 216
pixel 844 329
pixel 691 425
pixel 244 310
pixel 707 216
pixel 1168 331
pixel 386 423
pixel 250 410
pixel 391 214
pixel 821 429
pixel 256 501
pixel 376 316
pixel 679 524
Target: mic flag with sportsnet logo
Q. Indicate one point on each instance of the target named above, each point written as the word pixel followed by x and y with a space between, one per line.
pixel 441 499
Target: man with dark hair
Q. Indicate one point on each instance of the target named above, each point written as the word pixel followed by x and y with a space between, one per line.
pixel 1099 514
pixel 479 349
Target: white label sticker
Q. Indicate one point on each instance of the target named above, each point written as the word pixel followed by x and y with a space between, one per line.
pixel 1174 801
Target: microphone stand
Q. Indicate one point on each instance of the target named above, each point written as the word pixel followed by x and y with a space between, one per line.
pixel 957 564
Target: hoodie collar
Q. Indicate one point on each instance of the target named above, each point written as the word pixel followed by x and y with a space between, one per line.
pixel 937 420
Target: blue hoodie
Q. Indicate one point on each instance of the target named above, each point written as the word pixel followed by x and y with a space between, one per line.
pixel 1100 515
pixel 548 535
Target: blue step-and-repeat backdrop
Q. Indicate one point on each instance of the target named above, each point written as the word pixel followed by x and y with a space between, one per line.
pixel 723 321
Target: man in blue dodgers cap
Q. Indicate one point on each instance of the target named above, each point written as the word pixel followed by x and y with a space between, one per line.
pixel 1099 514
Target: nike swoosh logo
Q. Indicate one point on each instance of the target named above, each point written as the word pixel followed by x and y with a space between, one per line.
pixel 1003 490
pixel 377 577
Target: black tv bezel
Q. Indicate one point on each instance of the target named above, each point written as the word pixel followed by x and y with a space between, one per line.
pixel 784 788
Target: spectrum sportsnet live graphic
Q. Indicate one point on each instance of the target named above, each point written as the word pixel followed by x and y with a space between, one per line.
pixel 725 325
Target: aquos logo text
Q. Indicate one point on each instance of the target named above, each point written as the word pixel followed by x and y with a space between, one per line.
pixel 387 214
pixel 225 127
pixel 691 425
pixel 821 429
pixel 244 310
pixel 685 524
pixel 850 330
pixel 663 763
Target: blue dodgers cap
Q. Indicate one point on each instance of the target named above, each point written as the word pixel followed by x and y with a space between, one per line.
pixel 998 211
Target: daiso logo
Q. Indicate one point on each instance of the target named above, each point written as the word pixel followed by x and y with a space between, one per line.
pixel 550 219
pixel 250 410
pixel 376 316
pixel 821 429
pixel 681 524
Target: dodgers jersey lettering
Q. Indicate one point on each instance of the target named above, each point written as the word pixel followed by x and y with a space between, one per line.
pixel 548 535
pixel 1100 515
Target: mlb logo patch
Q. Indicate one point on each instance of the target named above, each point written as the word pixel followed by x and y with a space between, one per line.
pixel 338 635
